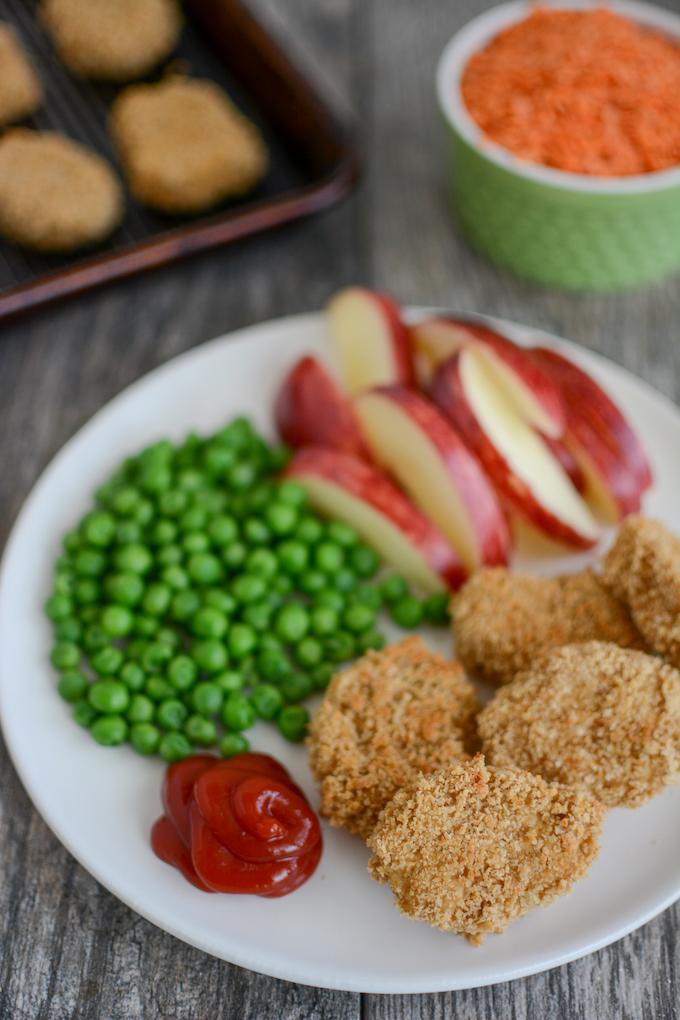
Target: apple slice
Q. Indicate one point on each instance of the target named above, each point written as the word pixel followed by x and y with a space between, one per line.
pixel 370 340
pixel 310 408
pixel 563 454
pixel 410 437
pixel 527 477
pixel 606 447
pixel 530 389
pixel 345 487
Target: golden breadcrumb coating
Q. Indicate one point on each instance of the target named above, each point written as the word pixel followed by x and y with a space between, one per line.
pixel 643 570
pixel 112 40
pixel 502 621
pixel 20 89
pixel 470 848
pixel 384 719
pixel 55 195
pixel 185 146
pixel 593 715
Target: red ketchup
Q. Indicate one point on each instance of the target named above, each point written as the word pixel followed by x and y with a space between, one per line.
pixel 239 825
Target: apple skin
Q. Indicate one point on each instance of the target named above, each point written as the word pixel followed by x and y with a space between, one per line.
pixel 448 393
pixel 562 453
pixel 435 340
pixel 380 315
pixel 461 466
pixel 370 486
pixel 310 408
pixel 594 421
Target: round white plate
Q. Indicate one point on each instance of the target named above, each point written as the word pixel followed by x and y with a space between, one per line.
pixel 340 930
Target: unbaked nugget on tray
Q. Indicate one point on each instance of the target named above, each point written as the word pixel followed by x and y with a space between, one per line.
pixel 384 719
pixel 184 145
pixel 20 89
pixel 604 718
pixel 643 570
pixel 470 848
pixel 114 40
pixel 502 621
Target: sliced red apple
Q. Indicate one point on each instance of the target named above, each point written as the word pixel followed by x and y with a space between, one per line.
pixel 529 388
pixel 526 476
pixel 310 408
pixel 410 437
pixel 351 490
pixel 370 340
pixel 561 451
pixel 601 439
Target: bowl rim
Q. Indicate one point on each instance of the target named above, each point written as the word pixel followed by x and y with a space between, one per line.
pixel 478 32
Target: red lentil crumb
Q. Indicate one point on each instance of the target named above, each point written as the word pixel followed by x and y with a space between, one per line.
pixel 590 92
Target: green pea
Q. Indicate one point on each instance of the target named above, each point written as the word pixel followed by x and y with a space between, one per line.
pixel 296 687
pixel 171 713
pixel 99 528
pixel 174 747
pixel 393 588
pixel 135 649
pixel 157 599
pixel 128 533
pixel 72 685
pixel 59 607
pixel 116 621
pixel 367 595
pixel 280 585
pixel 64 581
pixel 292 722
pixel 234 555
pixel 309 652
pixel 69 629
pixel 109 696
pixel 173 502
pixel 157 688
pixel 169 555
pixel 125 589
pixel 240 476
pixel 109 730
pixel 291 623
pixel 342 534
pixel 237 713
pixel 270 642
pixel 83 713
pixel 72 542
pixel 358 617
pixel 329 557
pixel 256 532
pixel 168 636
pixel 155 656
pixel 267 700
pixel 322 676
pixel 145 626
pixel 273 665
pixel 191 480
pixel 195 542
pixel 281 518
pixel 155 478
pixel 309 530
pixel 182 673
pixel 204 568
pixel 233 743
pixel 133 676
pixel 164 532
pixel 200 731
pixel 241 639
pixel 262 563
pixel 217 460
pixel 133 558
pixel 331 598
pixel 345 580
pixel 339 647
pixel 145 738
pixel 184 604
pixel 223 530
pixel 324 620
pixel 90 562
pixel 258 616
pixel 65 655
pixel 125 500
pixel 209 623
pixel 229 681
pixel 436 608
pixel 364 560
pixel 218 599
pixel 143 513
pixel 248 588
pixel 292 493
pixel 88 614
pixel 175 577
pixel 370 640
pixel 141 709
pixel 86 591
pixel 407 612
pixel 210 655
pixel 207 698
pixel 94 638
pixel 293 556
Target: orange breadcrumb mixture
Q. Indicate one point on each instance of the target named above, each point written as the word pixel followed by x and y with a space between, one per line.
pixel 590 92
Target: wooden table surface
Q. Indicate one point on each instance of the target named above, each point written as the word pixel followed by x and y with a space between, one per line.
pixel 67 947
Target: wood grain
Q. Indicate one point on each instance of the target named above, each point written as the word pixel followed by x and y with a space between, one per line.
pixel 67 948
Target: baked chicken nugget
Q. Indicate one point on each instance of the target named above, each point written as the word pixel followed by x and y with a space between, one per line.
pixel 389 716
pixel 643 570
pixel 593 715
pixel 470 848
pixel 20 90
pixel 112 40
pixel 502 621
pixel 55 195
pixel 184 145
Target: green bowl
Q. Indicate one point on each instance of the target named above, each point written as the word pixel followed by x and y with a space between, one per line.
pixel 557 228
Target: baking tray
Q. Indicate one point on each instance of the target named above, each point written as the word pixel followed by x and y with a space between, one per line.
pixel 313 160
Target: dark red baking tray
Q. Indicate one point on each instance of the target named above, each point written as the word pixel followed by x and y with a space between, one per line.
pixel 313 160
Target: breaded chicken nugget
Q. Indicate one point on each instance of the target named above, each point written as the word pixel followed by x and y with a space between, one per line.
pixel 384 719
pixel 55 195
pixel 112 40
pixel 20 91
pixel 185 146
pixel 502 621
pixel 643 570
pixel 471 848
pixel 593 715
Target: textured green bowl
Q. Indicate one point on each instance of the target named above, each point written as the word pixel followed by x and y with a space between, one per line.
pixel 559 229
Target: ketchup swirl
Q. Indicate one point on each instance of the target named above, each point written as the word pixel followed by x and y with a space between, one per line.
pixel 239 825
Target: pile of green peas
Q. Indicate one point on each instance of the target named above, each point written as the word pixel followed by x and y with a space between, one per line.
pixel 202 593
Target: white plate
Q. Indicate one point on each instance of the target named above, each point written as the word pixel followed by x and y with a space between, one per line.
pixel 341 929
